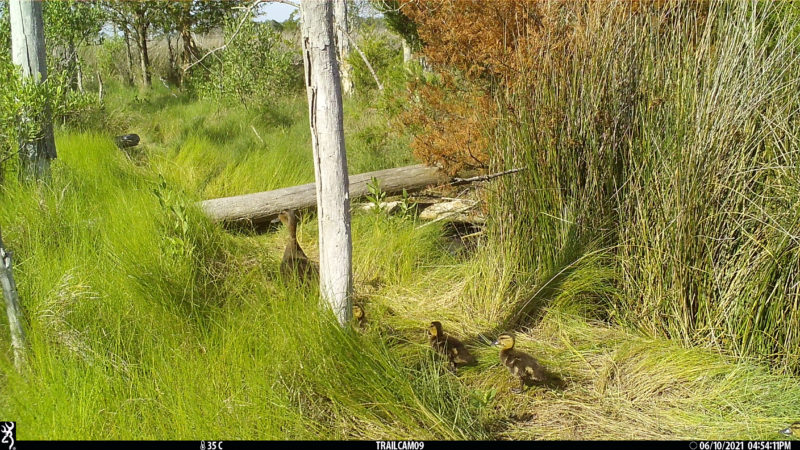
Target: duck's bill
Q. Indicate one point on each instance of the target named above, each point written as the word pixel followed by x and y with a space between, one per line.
pixel 275 220
pixel 787 431
pixel 496 343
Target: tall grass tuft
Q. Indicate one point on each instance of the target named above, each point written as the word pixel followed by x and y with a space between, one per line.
pixel 662 154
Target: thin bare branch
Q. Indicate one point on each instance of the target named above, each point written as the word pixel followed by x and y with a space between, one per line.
pixel 460 181
pixel 363 57
pixel 246 15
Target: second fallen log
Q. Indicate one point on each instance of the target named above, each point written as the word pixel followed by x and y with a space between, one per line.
pixel 262 207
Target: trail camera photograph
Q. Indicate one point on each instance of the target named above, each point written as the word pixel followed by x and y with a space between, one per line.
pixel 400 221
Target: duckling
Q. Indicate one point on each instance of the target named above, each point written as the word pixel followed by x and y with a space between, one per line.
pixel 520 364
pixel 792 430
pixel 456 352
pixel 295 260
pixel 358 315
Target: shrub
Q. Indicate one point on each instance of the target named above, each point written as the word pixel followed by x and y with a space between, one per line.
pixel 112 59
pixel 382 53
pixel 24 106
pixel 450 122
pixel 256 66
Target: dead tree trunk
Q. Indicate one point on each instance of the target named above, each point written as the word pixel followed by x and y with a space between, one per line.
pixel 129 55
pixel 343 44
pixel 408 54
pixel 323 86
pixel 99 87
pixel 13 309
pixel 28 52
pixel 144 58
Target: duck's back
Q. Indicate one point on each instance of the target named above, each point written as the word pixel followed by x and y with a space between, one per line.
pixel 456 351
pixel 295 262
pixel 460 354
pixel 523 365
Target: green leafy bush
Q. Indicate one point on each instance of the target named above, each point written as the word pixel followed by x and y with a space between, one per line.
pixel 383 53
pixel 256 66
pixel 25 106
pixel 111 59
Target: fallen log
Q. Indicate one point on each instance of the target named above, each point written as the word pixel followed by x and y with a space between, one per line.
pixel 263 207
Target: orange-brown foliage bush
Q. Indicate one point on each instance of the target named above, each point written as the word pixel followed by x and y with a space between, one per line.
pixel 477 37
pixel 491 46
pixel 476 46
pixel 449 126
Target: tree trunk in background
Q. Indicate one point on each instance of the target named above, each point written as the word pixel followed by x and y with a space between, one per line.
pixel 70 57
pixel 189 49
pixel 323 86
pixel 408 55
pixel 75 64
pixel 171 62
pixel 369 66
pixel 13 309
pixel 79 73
pixel 28 52
pixel 144 58
pixel 189 46
pixel 342 31
pixel 129 55
pixel 99 87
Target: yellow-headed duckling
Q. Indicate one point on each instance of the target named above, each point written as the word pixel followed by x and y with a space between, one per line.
pixel 520 364
pixel 358 315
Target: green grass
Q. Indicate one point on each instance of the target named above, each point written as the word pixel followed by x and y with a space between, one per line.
pixel 143 328
pixel 146 321
pixel 212 150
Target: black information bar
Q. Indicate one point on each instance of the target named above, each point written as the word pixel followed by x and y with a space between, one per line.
pixel 405 445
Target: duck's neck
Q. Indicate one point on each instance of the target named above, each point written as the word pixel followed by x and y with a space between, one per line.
pixel 293 249
pixel 292 228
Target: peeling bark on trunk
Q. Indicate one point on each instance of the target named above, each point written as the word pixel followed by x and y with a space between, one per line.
pixel 189 51
pixel 28 52
pixel 323 86
pixel 171 62
pixel 189 46
pixel 342 31
pixel 13 310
